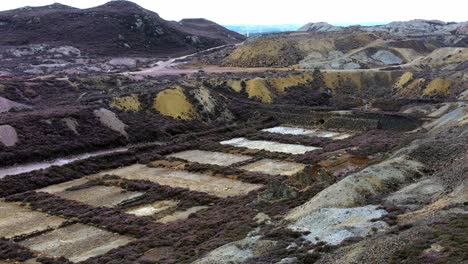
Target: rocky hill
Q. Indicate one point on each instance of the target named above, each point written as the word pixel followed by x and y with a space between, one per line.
pixel 320 27
pixel 117 27
pixel 207 28
pixel 325 46
pixel 412 27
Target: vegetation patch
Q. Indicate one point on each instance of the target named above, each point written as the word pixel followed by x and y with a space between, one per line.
pixel 12 251
pixel 446 243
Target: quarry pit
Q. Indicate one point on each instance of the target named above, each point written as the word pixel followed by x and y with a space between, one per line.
pixel 184 142
pixel 235 193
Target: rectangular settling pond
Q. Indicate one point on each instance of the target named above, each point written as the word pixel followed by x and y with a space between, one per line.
pixel 209 157
pixel 76 242
pixel 269 146
pixel 306 132
pixel 105 196
pixel 274 167
pixel 221 187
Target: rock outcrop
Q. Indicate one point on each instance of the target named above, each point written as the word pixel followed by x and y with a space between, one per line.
pixel 319 27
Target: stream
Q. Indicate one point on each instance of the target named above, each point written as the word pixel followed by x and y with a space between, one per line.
pixel 28 167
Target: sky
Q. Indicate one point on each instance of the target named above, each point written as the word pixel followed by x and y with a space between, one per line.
pixel 271 12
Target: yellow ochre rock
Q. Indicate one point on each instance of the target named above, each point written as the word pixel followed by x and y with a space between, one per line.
pixel 280 84
pixel 403 80
pixel 333 79
pixel 235 85
pixel 173 102
pixel 129 103
pixel 257 88
pixel 439 86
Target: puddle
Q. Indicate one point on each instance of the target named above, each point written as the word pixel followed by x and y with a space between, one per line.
pixel 16 220
pixel 18 169
pixel 274 167
pixel 180 215
pixel 221 187
pixel 341 164
pixel 208 157
pixel 268 146
pixel 105 196
pixel 306 132
pixel 76 242
pixel 151 209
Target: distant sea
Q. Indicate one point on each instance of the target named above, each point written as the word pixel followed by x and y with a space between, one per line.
pixel 366 24
pixel 262 29
pixel 265 29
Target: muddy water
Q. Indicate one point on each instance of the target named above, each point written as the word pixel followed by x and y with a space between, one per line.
pixel 18 169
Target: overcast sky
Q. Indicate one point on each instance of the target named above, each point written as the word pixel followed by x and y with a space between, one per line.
pixel 286 12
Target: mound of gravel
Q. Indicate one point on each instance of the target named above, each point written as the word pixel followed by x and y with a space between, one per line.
pixel 334 225
pixel 6 105
pixel 110 120
pixel 355 189
pixel 386 57
pixel 8 135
